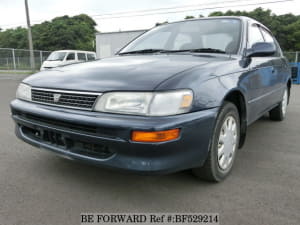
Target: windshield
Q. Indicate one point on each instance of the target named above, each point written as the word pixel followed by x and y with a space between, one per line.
pixel 207 34
pixel 57 56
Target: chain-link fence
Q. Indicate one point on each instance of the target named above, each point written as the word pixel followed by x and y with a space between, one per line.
pixel 19 59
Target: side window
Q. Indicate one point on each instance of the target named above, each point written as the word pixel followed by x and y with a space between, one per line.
pixel 81 56
pixel 269 38
pixel 71 56
pixel 254 35
pixel 91 57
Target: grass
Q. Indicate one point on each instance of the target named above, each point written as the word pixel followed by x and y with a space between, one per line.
pixel 17 72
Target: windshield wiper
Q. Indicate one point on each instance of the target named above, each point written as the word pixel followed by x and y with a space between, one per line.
pixel 204 50
pixel 208 50
pixel 142 51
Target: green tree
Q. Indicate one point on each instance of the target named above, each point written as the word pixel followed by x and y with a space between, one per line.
pixel 77 32
pixel 285 28
pixel 189 17
pixel 158 24
pixel 14 38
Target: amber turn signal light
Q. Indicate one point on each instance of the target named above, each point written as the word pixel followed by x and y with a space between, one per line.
pixel 155 136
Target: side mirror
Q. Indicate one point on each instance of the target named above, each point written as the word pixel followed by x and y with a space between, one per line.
pixel 261 49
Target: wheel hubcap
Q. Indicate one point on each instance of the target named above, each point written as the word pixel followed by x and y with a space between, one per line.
pixel 284 102
pixel 227 143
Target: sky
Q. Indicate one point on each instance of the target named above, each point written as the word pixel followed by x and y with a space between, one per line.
pixel 12 12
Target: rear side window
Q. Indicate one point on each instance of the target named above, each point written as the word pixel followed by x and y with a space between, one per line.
pixel 254 35
pixel 71 56
pixel 91 57
pixel 81 56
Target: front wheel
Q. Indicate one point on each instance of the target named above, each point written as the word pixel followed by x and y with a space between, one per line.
pixel 279 112
pixel 223 147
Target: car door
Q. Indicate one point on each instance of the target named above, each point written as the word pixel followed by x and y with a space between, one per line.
pixel 280 72
pixel 261 81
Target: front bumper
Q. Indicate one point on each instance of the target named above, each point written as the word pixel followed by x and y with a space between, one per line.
pixel 104 139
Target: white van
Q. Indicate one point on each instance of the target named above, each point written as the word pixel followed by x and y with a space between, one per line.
pixel 65 57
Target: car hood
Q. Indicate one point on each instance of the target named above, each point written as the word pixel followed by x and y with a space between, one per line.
pixel 137 72
pixel 51 64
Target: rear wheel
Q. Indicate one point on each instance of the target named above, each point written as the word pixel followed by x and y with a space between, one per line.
pixel 279 112
pixel 223 147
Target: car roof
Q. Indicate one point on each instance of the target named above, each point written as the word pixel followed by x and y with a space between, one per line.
pixel 68 50
pixel 244 19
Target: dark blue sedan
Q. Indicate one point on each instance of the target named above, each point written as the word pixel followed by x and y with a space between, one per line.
pixel 178 97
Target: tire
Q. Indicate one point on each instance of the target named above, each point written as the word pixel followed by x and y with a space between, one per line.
pixel 213 169
pixel 279 112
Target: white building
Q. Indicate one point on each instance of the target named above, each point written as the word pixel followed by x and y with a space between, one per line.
pixel 107 44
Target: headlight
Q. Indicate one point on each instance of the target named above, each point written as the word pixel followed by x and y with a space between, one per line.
pixel 24 92
pixel 146 103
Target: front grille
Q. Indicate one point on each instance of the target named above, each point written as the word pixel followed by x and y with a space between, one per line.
pixel 78 100
pixel 71 126
pixel 68 144
pixel 60 124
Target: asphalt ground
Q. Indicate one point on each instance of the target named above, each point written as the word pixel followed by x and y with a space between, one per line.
pixel 39 188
